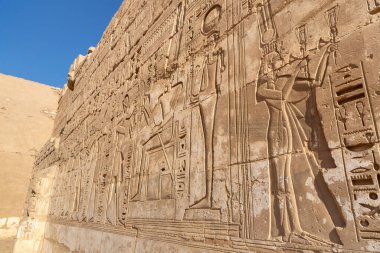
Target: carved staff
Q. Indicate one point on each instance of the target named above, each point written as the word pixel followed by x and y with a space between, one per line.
pixel 302 40
pixel 332 21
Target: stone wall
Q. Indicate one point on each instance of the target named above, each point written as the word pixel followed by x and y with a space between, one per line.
pixel 219 126
pixel 27 111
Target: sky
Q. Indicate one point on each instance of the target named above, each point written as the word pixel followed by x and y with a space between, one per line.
pixel 39 39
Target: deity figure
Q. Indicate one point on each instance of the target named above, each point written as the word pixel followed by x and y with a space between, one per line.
pixel 205 93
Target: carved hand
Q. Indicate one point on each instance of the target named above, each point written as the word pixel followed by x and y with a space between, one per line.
pixel 333 47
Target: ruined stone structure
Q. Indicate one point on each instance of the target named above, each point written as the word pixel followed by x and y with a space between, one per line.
pixel 217 126
pixel 27 111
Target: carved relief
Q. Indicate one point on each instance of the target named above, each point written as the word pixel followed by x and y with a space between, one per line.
pixel 283 86
pixel 373 6
pixel 224 125
pixel 358 135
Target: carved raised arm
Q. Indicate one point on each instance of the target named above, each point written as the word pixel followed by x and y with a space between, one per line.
pixel 323 64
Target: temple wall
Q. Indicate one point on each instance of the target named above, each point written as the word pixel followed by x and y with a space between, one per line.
pixel 218 126
pixel 27 111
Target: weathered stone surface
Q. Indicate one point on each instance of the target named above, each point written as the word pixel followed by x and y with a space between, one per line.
pixel 27 111
pixel 218 126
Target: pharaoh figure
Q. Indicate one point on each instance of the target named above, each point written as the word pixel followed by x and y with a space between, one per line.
pixel 76 188
pixel 101 176
pixel 123 163
pixel 300 198
pixel 100 183
pixel 291 161
pixel 89 209
pixel 205 93
pixel 88 167
pixel 68 188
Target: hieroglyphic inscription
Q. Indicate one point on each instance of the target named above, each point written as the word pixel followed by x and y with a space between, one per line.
pixel 241 124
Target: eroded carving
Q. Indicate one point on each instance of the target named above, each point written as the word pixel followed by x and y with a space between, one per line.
pixel 234 125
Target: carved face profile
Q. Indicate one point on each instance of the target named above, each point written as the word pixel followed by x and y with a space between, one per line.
pixel 276 61
pixel 270 63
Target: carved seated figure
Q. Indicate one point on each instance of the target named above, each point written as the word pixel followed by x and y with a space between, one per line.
pixel 159 110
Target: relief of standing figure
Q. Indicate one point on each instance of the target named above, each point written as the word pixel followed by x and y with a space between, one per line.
pixel 291 162
pixel 206 94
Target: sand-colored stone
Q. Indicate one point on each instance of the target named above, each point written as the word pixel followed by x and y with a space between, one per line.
pixel 27 112
pixel 217 126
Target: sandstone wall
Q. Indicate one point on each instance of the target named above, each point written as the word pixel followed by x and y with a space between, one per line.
pixel 220 126
pixel 27 112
